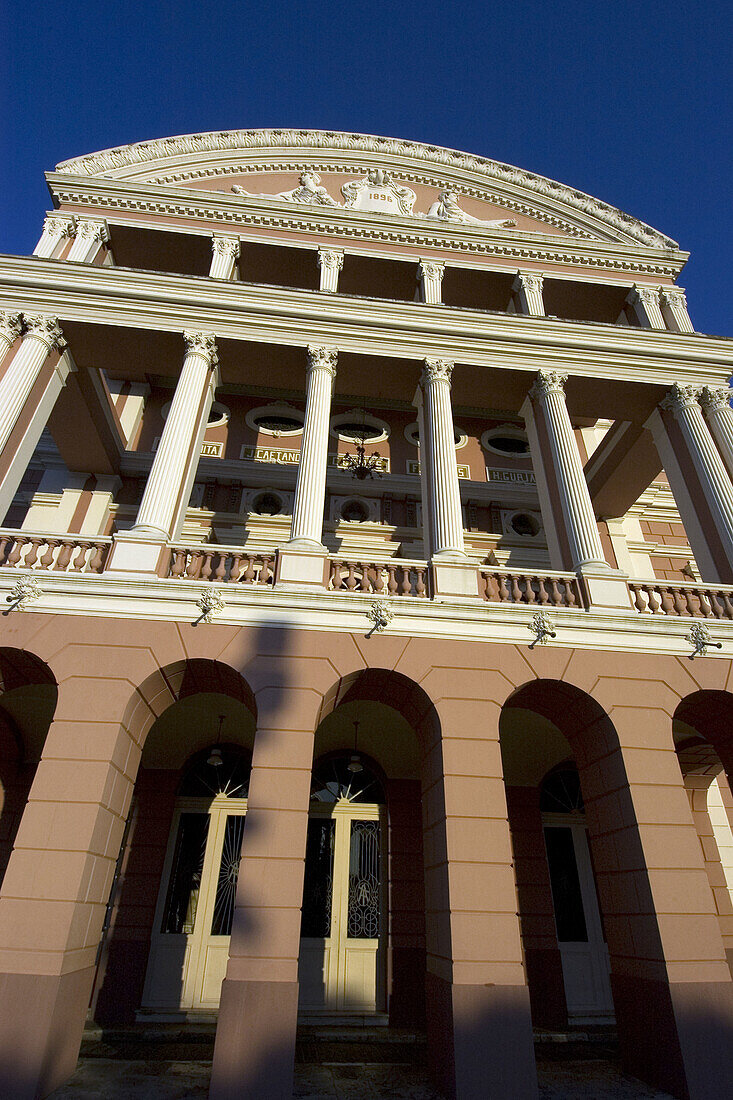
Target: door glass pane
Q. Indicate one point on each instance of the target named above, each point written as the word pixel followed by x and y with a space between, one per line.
pixel 226 886
pixel 364 887
pixel 318 887
pixel 566 896
pixel 185 881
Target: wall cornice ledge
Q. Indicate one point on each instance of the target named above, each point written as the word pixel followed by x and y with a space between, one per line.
pixel 174 155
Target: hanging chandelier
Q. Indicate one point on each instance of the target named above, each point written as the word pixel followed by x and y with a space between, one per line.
pixel 360 465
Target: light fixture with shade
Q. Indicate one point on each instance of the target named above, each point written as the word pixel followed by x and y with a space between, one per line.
pixel 355 765
pixel 215 758
pixel 360 465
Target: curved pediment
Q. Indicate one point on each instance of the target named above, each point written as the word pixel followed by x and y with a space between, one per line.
pixel 382 177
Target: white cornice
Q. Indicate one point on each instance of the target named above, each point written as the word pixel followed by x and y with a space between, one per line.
pixel 169 160
pixel 227 211
pixel 465 620
pixel 404 330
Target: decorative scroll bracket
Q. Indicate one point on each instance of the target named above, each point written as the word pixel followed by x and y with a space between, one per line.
pixel 21 594
pixel 380 615
pixel 699 639
pixel 542 628
pixel 210 603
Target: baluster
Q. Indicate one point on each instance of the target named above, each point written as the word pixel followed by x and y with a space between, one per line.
pixel 178 563
pixel 727 604
pixel 97 559
pixel 542 590
pixel 194 564
pixel 4 540
pixel 529 588
pixel 516 591
pixel 208 565
pixel 635 590
pixel 420 587
pixel 665 596
pixel 80 560
pixel 556 595
pixel 267 575
pixel 220 572
pixel 249 573
pixel 679 605
pixel 703 598
pixel 653 600
pixel 14 555
pixel 64 556
pixel 30 558
pixel 504 595
pixel 47 560
pixel 236 569
pixel 369 580
pixel 572 592
pixel 694 607
pixel 716 604
pixel 351 581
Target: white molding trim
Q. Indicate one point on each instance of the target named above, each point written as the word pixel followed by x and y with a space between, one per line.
pixel 212 152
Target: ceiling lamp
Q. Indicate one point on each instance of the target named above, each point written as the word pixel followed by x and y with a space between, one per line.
pixel 215 758
pixel 355 765
pixel 359 465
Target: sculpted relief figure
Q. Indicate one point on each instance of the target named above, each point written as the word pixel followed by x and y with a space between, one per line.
pixel 448 210
pixel 307 191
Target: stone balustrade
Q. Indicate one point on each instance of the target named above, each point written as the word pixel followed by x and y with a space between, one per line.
pixel 53 553
pixel 542 590
pixel 694 601
pixel 221 564
pixel 392 578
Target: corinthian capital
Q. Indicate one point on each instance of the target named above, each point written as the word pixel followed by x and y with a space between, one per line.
pixel 226 246
pixel 330 258
pixel 46 329
pixel 431 269
pixel 672 296
pixel 548 381
pixel 202 343
pixel 437 370
pixel 10 326
pixel 57 225
pixel 93 231
pixel 322 358
pixel 680 397
pixel 713 398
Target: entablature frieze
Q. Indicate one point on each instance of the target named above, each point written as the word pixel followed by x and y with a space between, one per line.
pixel 221 209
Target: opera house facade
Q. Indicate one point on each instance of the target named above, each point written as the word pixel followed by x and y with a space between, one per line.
pixel 367 574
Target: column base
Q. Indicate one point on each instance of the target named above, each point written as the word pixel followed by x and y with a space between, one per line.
pixel 41 1027
pixel 480 1040
pixel 679 1037
pixel 605 588
pixel 453 578
pixel 254 1053
pixel 134 555
pixel 300 567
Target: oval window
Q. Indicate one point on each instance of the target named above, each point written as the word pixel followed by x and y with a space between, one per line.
pixel 525 525
pixel 267 504
pixel 412 435
pixel 276 420
pixel 357 426
pixel 355 511
pixel 509 441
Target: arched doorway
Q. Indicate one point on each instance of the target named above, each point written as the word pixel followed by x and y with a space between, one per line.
pixel 342 948
pixel 580 934
pixel 189 945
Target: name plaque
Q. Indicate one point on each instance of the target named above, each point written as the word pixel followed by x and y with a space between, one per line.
pixel 279 456
pixel 413 467
pixel 517 478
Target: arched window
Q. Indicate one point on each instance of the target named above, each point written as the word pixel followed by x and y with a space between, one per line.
pixel 345 777
pixel 560 793
pixel 221 770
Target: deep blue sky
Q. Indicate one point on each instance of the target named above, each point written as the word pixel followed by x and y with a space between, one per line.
pixel 628 101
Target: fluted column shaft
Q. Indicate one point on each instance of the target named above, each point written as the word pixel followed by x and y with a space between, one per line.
pixel 168 487
pixel 548 397
pixel 224 256
pixel 716 406
pixel 330 262
pixel 91 237
pixel 310 489
pixel 56 228
pixel 714 478
pixel 673 303
pixel 527 288
pixel 430 275
pixel 644 300
pixel 42 336
pixel 438 453
pixel 10 327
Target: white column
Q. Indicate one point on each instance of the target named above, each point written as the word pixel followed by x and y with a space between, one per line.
pixel 715 481
pixel 548 396
pixel 673 302
pixel 91 238
pixel 438 452
pixel 310 490
pixel 171 476
pixel 644 300
pixel 715 403
pixel 9 331
pixel 330 262
pixel 43 335
pixel 527 289
pixel 56 228
pixel 430 275
pixel 224 256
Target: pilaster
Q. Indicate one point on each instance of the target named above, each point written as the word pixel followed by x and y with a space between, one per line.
pixel 225 252
pixel 330 262
pixel 57 228
pixel 527 290
pixel 644 301
pixel 673 303
pixel 92 237
pixel 430 276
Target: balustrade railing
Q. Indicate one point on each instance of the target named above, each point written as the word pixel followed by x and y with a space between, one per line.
pixel 53 553
pixel 660 598
pixel 221 565
pixel 542 590
pixel 392 578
